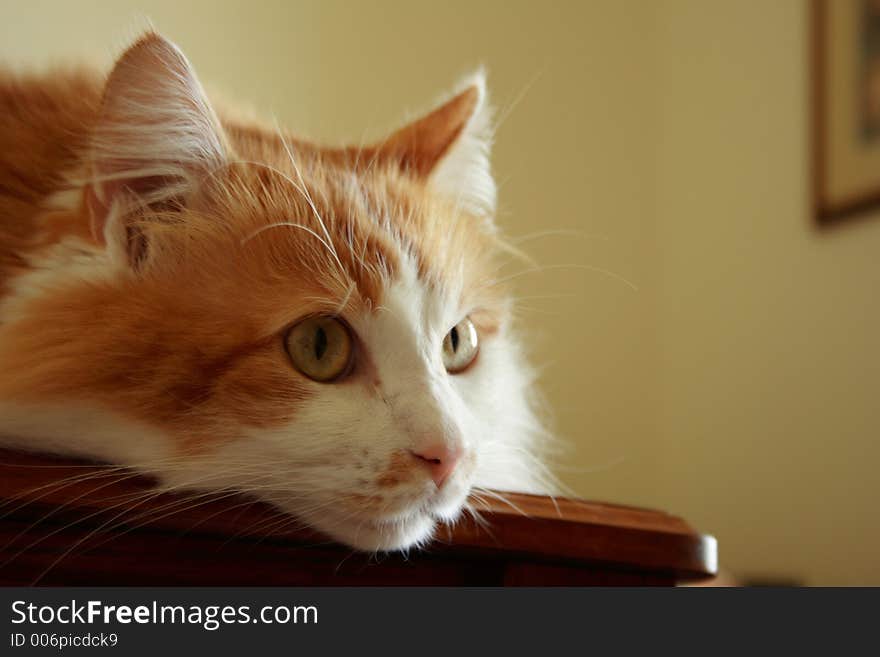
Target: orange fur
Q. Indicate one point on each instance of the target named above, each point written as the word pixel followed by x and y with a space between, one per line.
pixel 45 128
pixel 193 344
pixel 399 469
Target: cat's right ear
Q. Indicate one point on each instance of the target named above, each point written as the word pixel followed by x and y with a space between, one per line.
pixel 156 136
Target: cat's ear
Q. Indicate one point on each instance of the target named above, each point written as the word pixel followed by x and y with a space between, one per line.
pixel 450 147
pixel 155 137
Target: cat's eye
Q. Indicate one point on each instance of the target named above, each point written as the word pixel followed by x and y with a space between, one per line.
pixel 460 346
pixel 320 348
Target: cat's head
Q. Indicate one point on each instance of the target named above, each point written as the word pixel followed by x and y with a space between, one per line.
pixel 323 327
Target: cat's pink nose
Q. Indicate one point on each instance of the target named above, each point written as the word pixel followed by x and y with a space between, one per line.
pixel 441 460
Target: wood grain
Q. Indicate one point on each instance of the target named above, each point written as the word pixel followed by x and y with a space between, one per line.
pixel 64 522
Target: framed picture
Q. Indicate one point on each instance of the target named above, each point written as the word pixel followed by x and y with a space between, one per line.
pixel 846 107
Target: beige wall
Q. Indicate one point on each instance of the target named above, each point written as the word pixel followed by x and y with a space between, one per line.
pixel 770 329
pixel 735 385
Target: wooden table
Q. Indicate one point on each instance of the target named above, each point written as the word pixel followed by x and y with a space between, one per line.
pixel 64 522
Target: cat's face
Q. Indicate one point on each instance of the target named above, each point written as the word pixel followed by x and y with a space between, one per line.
pixel 357 378
pixel 323 328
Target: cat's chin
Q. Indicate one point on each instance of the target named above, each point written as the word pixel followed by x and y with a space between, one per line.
pixel 398 532
pixel 372 535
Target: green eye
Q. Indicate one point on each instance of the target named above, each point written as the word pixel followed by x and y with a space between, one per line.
pixel 320 348
pixel 460 346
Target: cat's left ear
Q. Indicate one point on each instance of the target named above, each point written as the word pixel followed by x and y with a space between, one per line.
pixel 450 147
pixel 156 137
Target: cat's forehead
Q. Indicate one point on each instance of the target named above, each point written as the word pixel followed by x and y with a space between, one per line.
pixel 432 252
pixel 354 236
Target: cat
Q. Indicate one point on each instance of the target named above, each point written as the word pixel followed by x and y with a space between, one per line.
pixel 224 307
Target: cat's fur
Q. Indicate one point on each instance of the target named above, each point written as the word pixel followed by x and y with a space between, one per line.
pixel 152 254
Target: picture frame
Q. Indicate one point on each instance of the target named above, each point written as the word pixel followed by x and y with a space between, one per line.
pixel 845 62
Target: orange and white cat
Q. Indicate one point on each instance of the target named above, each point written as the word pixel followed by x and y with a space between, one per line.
pixel 228 308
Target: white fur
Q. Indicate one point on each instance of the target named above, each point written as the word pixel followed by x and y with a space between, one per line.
pixel 464 174
pixel 82 430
